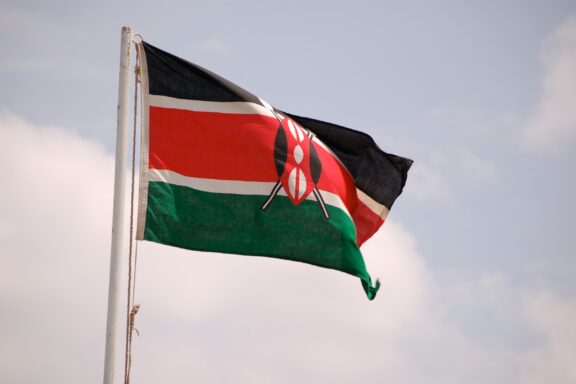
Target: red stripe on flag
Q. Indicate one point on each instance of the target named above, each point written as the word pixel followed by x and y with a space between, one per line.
pixel 213 145
pixel 367 222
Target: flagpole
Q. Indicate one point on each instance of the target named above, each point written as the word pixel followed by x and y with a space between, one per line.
pixel 118 222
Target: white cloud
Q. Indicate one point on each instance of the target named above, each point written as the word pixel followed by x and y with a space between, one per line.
pixel 553 124
pixel 554 318
pixel 55 200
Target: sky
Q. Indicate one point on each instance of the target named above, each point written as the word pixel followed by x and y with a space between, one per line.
pixel 477 257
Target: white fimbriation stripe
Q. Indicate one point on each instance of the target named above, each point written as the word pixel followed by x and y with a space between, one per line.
pixel 211 185
pixel 233 186
pixel 374 206
pixel 239 107
pixel 266 105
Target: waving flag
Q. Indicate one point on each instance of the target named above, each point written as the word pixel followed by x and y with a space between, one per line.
pixel 224 171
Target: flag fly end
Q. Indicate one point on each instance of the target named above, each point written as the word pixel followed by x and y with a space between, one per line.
pixel 371 290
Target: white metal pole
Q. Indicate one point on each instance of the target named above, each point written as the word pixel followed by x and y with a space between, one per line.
pixel 118 217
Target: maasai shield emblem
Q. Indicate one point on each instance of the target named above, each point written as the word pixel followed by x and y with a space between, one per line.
pixel 297 163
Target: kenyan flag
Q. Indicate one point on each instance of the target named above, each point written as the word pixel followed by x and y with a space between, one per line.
pixel 224 171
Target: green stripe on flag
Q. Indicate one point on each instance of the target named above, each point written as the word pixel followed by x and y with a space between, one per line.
pixel 229 223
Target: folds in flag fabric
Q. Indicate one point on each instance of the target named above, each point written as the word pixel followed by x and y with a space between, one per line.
pixel 224 171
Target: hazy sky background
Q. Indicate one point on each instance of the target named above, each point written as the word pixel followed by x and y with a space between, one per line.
pixel 477 260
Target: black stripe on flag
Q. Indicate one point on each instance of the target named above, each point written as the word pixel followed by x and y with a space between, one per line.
pixel 172 76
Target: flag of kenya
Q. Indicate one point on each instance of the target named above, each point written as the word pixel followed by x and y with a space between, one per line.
pixel 224 171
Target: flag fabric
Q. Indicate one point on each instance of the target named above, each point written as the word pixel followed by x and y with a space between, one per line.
pixel 224 171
